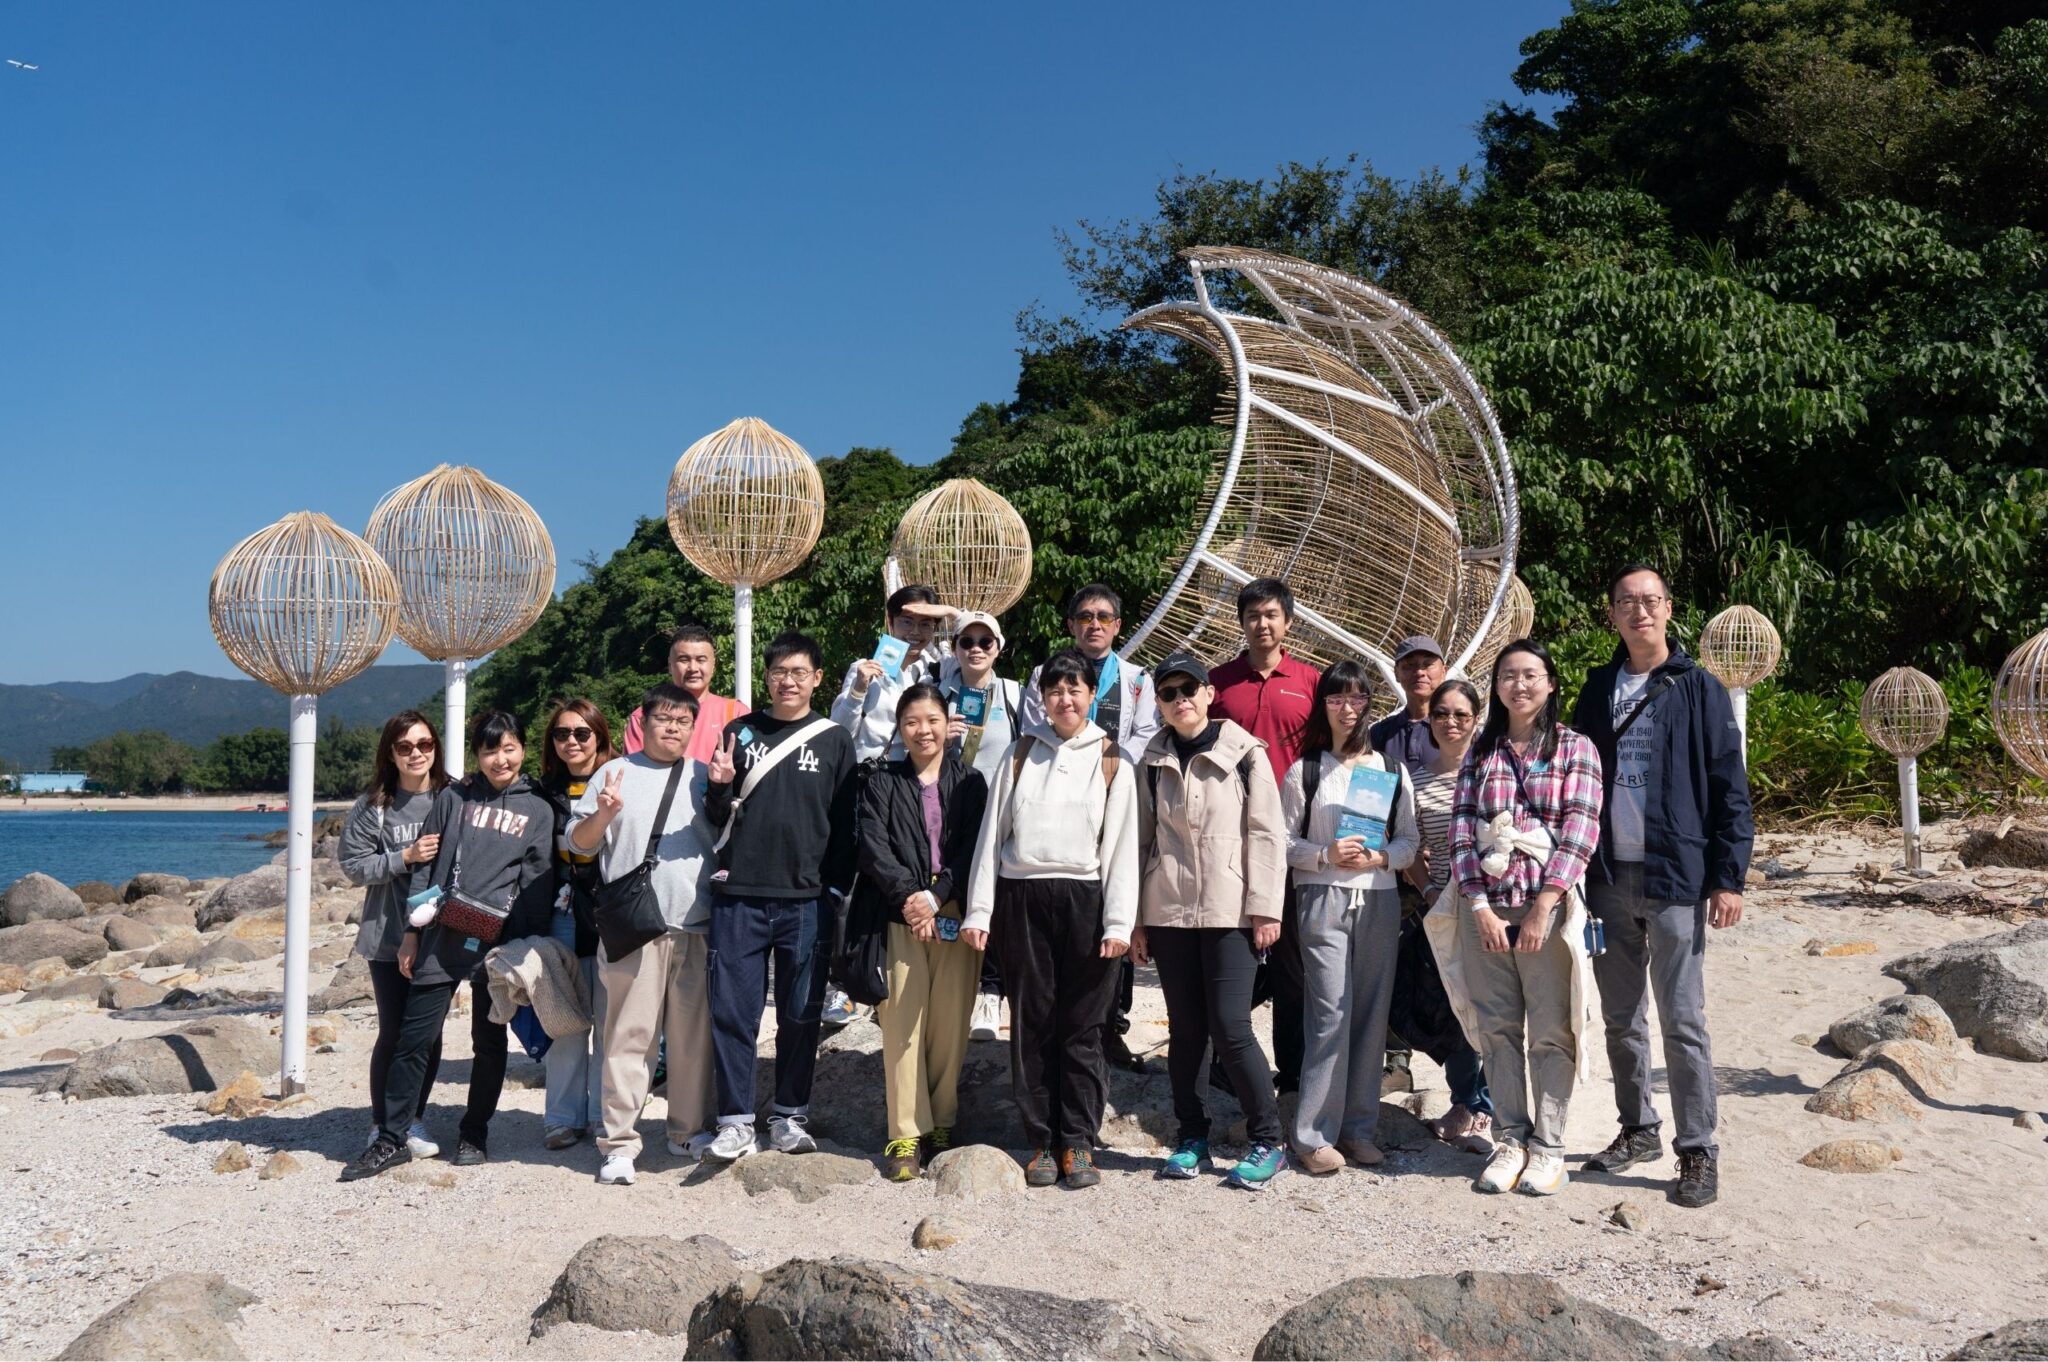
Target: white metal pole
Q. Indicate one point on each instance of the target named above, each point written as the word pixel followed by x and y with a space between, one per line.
pixel 743 643
pixel 1739 697
pixel 455 685
pixel 1909 808
pixel 298 893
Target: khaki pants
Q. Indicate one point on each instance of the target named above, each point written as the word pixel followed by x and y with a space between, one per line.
pixel 1525 1037
pixel 924 1030
pixel 662 989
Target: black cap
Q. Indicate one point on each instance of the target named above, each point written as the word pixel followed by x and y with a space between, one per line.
pixel 1182 664
pixel 1417 643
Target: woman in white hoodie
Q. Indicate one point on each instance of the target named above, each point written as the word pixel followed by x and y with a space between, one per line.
pixel 1054 894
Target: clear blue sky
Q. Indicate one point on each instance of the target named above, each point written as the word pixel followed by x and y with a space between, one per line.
pixel 264 257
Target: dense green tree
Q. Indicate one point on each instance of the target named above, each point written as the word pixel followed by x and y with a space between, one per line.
pixel 143 763
pixel 257 760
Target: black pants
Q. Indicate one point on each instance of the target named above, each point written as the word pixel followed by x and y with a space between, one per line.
pixel 392 989
pixel 419 1035
pixel 1047 939
pixel 1283 981
pixel 1207 975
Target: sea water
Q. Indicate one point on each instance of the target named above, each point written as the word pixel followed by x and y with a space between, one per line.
pixel 75 846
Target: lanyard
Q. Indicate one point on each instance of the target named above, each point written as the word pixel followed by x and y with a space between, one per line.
pixel 1104 683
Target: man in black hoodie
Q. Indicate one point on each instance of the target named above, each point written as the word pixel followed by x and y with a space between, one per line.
pixel 1675 836
pixel 787 841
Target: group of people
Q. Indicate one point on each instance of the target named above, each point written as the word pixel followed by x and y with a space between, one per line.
pixel 1469 876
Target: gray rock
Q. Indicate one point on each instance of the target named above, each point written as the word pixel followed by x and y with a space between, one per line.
pixel 2023 1338
pixel 230 950
pixel 93 893
pixel 1906 1017
pixel 1926 1071
pixel 35 897
pixel 118 995
pixel 184 1315
pixel 1471 1314
pixel 35 941
pixel 1995 988
pixel 170 917
pixel 253 892
pixel 975 1172
pixel 854 1308
pixel 83 986
pixel 626 1282
pixel 148 883
pixel 199 1056
pixel 807 1177
pixel 1757 1346
pixel 350 987
pixel 176 951
pixel 126 934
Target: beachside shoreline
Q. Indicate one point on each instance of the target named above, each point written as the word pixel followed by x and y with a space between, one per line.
pixel 225 803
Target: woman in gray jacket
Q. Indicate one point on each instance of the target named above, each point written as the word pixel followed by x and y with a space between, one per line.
pixel 381 847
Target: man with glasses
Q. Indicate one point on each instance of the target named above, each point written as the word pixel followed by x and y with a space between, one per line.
pixel 866 707
pixel 1675 835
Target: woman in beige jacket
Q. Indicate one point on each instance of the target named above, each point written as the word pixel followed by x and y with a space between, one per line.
pixel 1215 862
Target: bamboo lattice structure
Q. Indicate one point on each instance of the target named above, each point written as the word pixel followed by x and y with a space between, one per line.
pixel 475 565
pixel 1365 467
pixel 968 543
pixel 2019 706
pixel 1740 647
pixel 1515 619
pixel 1905 713
pixel 302 605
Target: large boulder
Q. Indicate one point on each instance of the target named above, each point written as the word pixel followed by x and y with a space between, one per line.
pixel 2023 1338
pixel 259 889
pixel 149 882
pixel 1906 1017
pixel 119 995
pixel 350 987
pixel 176 951
pixel 35 941
pixel 1874 1094
pixel 1926 1071
pixel 35 897
pixel 199 1056
pixel 96 893
pixel 626 1282
pixel 184 1315
pixel 976 1172
pixel 854 1308
pixel 170 917
pixel 1995 988
pixel 807 1177
pixel 1471 1314
pixel 126 934
pixel 231 950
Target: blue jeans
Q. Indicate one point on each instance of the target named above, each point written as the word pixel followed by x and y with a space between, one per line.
pixel 1467 1080
pixel 746 935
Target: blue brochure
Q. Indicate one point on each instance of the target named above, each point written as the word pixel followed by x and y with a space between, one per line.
pixel 890 652
pixel 974 706
pixel 1368 804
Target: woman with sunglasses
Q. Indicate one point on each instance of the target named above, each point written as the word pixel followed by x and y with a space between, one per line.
pixel 1348 835
pixel 380 849
pixel 579 741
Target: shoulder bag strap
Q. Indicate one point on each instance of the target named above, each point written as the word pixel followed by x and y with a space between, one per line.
pixel 668 797
pixel 766 764
pixel 1649 698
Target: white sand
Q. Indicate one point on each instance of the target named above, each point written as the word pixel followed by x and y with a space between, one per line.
pixel 98 1198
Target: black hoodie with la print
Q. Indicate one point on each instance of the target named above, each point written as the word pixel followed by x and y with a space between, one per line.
pixel 499 847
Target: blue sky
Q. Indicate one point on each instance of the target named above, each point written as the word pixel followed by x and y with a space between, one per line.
pixel 266 257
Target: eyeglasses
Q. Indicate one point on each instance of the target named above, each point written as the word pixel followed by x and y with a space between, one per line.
pixel 670 719
pixel 405 748
pixel 1527 678
pixel 1094 617
pixel 789 673
pixel 1353 701
pixel 1184 691
pixel 565 733
pixel 978 643
pixel 1628 604
pixel 1452 716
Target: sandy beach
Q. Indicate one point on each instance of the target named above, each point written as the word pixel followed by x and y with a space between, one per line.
pixel 101 1197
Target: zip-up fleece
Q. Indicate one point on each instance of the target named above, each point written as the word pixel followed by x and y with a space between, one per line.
pixel 505 843
pixel 1055 820
pixel 372 854
pixel 1215 842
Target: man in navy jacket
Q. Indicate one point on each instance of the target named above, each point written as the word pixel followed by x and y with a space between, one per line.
pixel 1675 836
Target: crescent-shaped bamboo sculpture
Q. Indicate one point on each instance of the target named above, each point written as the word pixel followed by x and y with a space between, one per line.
pixel 1365 466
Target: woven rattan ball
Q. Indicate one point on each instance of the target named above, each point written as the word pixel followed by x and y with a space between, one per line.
pixel 745 504
pixel 968 543
pixel 2019 705
pixel 1740 647
pixel 475 566
pixel 1515 619
pixel 302 605
pixel 1904 712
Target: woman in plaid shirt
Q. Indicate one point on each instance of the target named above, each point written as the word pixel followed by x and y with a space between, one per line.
pixel 1524 822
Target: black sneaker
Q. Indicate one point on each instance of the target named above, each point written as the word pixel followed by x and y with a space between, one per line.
pixel 1699 1179
pixel 384 1152
pixel 1635 1144
pixel 1118 1053
pixel 468 1155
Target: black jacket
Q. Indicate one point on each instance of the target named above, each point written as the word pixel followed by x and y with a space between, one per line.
pixel 1696 816
pixel 794 835
pixel 894 850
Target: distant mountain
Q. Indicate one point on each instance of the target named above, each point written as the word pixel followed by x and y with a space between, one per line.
pixel 190 707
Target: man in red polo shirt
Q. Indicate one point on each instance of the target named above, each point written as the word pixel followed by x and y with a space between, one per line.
pixel 1270 695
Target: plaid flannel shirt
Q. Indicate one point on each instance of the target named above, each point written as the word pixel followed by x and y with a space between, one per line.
pixel 1564 795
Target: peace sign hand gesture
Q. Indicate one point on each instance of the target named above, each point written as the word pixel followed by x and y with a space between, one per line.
pixel 722 770
pixel 609 800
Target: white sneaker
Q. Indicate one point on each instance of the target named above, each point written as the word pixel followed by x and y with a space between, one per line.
pixel 732 1142
pixel 1503 1170
pixel 1545 1175
pixel 617 1171
pixel 694 1148
pixel 419 1143
pixel 791 1134
pixel 987 1021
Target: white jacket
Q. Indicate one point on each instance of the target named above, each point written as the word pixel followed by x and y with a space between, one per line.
pixel 871 717
pixel 1056 820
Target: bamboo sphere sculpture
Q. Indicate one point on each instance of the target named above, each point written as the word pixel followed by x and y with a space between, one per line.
pixel 303 605
pixel 746 504
pixel 475 566
pixel 968 543
pixel 1904 712
pixel 1740 647
pixel 1515 619
pixel 2019 705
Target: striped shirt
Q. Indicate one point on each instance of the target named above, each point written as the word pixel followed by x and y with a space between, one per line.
pixel 1434 794
pixel 1562 793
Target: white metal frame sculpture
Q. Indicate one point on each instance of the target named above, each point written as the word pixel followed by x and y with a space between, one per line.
pixel 302 606
pixel 965 541
pixel 2019 706
pixel 475 569
pixel 1904 712
pixel 1740 647
pixel 1366 466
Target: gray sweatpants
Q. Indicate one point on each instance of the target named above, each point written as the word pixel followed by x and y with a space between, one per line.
pixel 1663 945
pixel 1349 941
pixel 1524 1002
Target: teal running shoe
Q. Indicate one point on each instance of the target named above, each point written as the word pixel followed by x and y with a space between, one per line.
pixel 1185 1161
pixel 1258 1167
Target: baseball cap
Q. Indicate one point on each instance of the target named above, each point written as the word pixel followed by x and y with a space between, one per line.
pixel 982 618
pixel 1417 643
pixel 1182 664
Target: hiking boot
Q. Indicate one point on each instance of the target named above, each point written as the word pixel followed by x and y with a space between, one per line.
pixel 1699 1179
pixel 1634 1145
pixel 1185 1161
pixel 1077 1167
pixel 899 1160
pixel 1544 1175
pixel 1503 1170
pixel 382 1154
pixel 733 1142
pixel 468 1154
pixel 1259 1166
pixel 1043 1170
pixel 935 1142
pixel 791 1134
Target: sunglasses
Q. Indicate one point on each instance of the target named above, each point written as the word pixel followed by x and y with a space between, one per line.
pixel 976 643
pixel 405 748
pixel 1184 690
pixel 1094 617
pixel 567 734
pixel 1449 716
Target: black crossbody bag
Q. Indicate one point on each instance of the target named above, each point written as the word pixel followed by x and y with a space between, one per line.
pixel 628 913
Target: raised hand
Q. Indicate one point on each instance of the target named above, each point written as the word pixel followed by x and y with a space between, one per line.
pixel 866 672
pixel 609 799
pixel 721 769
